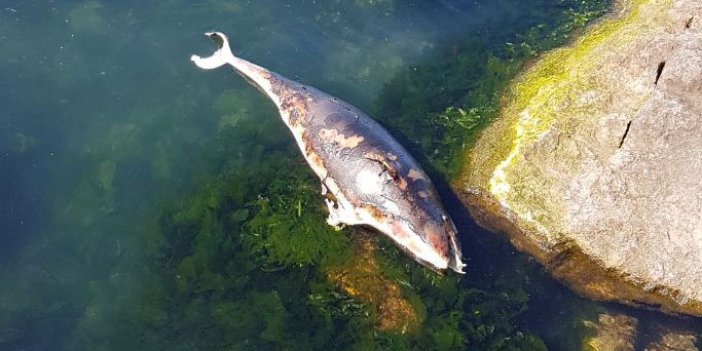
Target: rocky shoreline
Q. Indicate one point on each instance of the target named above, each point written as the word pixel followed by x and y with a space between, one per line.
pixel 593 165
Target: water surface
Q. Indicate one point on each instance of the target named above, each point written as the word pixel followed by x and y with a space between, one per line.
pixel 108 133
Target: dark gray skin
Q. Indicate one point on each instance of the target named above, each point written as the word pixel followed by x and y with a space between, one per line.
pixel 367 176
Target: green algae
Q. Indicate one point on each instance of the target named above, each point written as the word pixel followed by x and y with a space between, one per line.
pixel 219 270
pixel 440 109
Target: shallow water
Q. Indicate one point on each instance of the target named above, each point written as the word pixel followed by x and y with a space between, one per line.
pixel 106 126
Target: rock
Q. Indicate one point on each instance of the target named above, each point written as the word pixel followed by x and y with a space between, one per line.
pixel 363 280
pixel 621 331
pixel 613 332
pixel 594 164
pixel 671 340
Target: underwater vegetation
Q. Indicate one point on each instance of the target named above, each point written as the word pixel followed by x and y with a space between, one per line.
pixel 439 108
pixel 245 259
pixel 246 262
pixel 223 272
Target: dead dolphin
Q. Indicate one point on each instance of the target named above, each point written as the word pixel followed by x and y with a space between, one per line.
pixel 368 178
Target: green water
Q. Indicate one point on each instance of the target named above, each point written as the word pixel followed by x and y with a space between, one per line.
pixel 148 205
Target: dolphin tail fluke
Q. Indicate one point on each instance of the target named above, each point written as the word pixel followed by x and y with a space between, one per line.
pixel 222 56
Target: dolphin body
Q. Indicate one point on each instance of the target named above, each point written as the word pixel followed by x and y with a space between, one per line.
pixel 367 177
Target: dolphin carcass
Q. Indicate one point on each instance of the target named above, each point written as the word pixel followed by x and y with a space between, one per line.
pixel 368 178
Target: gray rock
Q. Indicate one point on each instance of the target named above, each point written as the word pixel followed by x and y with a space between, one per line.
pixel 613 332
pixel 671 340
pixel 595 166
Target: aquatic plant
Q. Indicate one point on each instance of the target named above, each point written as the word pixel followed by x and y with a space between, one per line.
pixel 227 272
pixel 438 109
pixel 285 224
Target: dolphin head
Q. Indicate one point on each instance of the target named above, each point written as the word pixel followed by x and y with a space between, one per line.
pixel 431 240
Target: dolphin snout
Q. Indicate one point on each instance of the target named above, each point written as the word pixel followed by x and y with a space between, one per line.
pixel 440 249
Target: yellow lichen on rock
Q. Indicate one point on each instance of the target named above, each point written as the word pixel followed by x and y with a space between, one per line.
pixel 363 280
pixel 536 101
